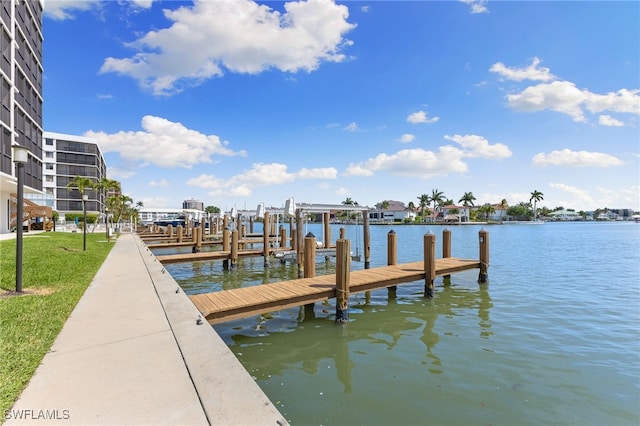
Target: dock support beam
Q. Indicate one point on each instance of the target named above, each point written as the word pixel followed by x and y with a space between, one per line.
pixel 343 269
pixel 179 233
pixel 327 230
pixel 446 250
pixel 265 238
pixel 483 237
pixel 309 261
pixel 226 234
pixel 429 263
pixel 392 257
pixel 367 239
pixel 299 243
pixel 235 237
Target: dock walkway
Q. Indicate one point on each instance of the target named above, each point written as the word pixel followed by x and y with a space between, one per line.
pixel 226 305
pixel 134 353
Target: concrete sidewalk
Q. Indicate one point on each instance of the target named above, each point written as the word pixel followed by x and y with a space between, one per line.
pixel 134 352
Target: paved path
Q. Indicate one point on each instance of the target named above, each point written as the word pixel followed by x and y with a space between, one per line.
pixel 132 353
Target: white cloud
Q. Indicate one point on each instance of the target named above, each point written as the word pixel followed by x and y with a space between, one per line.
pixel 532 72
pixel 152 202
pixel 607 120
pixel 567 157
pixel 559 96
pixel 260 175
pixel 412 162
pixel 407 137
pixel 240 36
pixel 65 9
pixel 421 117
pixel 161 182
pixel 477 146
pixel 163 143
pixel 564 96
pixel 427 164
pixel 623 100
pixel 343 191
pixel 119 173
pixel 352 127
pixel 581 196
pixel 477 6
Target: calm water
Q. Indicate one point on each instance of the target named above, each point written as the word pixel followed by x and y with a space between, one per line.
pixel 553 339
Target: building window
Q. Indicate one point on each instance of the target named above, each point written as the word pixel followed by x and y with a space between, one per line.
pixel 49 178
pixel 49 141
pixel 49 166
pixel 48 154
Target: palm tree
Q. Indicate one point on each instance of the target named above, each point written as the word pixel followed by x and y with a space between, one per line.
pixel 82 184
pixel 424 202
pixel 467 199
pixel 535 197
pixel 436 198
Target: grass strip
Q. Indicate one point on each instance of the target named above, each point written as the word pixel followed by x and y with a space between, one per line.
pixel 56 272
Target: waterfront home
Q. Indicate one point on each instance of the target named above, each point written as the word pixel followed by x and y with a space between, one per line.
pixel 564 215
pixel 395 212
pixel 454 214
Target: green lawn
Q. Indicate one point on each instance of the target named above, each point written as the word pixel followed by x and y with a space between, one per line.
pixel 56 272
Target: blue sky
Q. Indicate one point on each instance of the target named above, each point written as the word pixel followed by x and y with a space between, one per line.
pixel 241 102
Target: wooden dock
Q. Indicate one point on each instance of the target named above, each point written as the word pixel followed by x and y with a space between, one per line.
pixel 227 305
pixel 206 255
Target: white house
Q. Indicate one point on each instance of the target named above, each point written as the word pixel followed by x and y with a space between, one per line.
pixel 395 212
pixel 564 215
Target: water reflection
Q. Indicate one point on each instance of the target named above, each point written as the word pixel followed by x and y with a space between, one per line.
pixel 270 343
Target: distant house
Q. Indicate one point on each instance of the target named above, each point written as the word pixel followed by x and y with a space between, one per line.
pixel 564 215
pixel 608 215
pixel 396 212
pixel 454 214
pixel 499 214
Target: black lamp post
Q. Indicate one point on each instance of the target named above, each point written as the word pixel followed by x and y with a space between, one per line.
pixel 20 157
pixel 84 221
pixel 106 223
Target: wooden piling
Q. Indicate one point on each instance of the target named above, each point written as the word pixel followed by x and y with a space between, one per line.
pixel 429 263
pixel 309 255
pixel 392 255
pixel 251 221
pixel 309 260
pixel 234 247
pixel 292 234
pixel 265 238
pixel 226 246
pixel 300 243
pixel 327 230
pixel 179 231
pixel 343 233
pixel 367 239
pixel 446 250
pixel 343 269
pixel 483 237
pixel 197 235
pixel 283 237
pixel 170 230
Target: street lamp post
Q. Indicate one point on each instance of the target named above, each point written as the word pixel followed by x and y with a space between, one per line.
pixel 106 223
pixel 84 221
pixel 20 157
